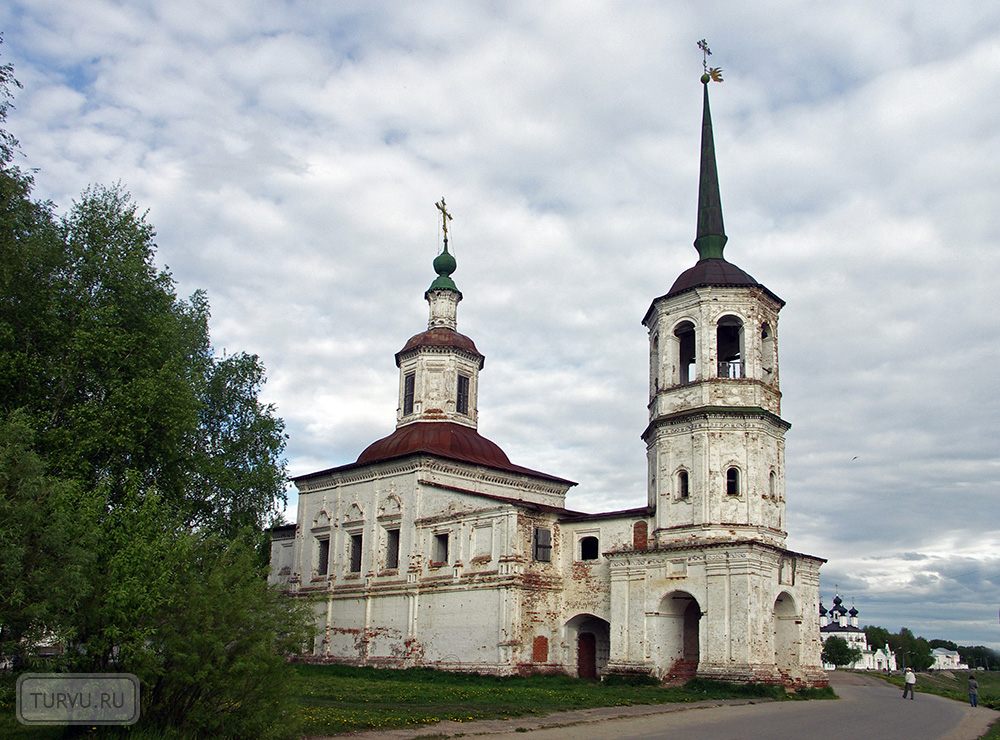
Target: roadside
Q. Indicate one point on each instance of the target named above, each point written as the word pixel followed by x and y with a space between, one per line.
pixel 974 724
pixel 449 729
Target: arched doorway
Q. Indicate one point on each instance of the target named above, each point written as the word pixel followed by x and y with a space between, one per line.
pixel 589 639
pixel 787 638
pixel 678 648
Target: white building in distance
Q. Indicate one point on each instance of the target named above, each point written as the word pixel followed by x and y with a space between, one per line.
pixel 434 549
pixel 839 622
pixel 947 660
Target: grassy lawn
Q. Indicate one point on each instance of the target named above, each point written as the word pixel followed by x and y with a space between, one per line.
pixel 955 684
pixel 339 699
pixel 336 699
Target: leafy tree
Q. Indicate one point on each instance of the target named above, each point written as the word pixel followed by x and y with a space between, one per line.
pixel 46 543
pixel 878 637
pixel 837 652
pixel 912 652
pixel 137 469
pixel 979 657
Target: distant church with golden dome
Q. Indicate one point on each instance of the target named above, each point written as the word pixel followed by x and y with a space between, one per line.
pixel 434 549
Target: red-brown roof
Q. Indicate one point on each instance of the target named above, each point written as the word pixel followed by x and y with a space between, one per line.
pixel 441 337
pixel 446 439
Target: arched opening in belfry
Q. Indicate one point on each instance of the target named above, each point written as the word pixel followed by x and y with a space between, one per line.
pixel 729 345
pixel 589 638
pixel 787 633
pixel 768 356
pixel 680 635
pixel 687 365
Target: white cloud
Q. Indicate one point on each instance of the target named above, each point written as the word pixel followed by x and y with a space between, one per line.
pixel 290 155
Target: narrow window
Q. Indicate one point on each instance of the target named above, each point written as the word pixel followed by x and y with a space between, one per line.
pixel 768 359
pixel 589 548
pixel 355 553
pixel 543 545
pixel 683 491
pixel 729 343
pixel 640 536
pixel 439 552
pixel 462 405
pixel 391 549
pixel 654 364
pixel 323 556
pixel 733 482
pixel 409 383
pixel 686 363
pixel 773 485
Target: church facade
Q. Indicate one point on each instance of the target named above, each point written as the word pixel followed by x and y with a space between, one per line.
pixel 434 549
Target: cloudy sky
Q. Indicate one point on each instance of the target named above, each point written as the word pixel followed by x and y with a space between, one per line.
pixel 290 155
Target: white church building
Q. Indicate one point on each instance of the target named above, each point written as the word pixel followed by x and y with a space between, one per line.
pixel 843 622
pixel 434 549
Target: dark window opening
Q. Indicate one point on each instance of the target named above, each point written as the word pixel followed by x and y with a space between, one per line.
pixel 590 548
pixel 439 554
pixel 686 359
pixel 409 384
pixel 462 404
pixel 543 545
pixel 355 553
pixel 730 347
pixel 682 484
pixel 733 482
pixel 323 557
pixel 392 549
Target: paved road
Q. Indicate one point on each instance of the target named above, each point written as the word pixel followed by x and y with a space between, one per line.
pixel 869 708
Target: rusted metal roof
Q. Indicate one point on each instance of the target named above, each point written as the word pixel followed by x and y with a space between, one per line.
pixel 440 336
pixel 445 439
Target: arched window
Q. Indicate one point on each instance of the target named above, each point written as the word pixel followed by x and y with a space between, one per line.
pixel 729 336
pixel 687 365
pixel 654 364
pixel 683 490
pixel 733 482
pixel 590 548
pixel 769 359
pixel 773 485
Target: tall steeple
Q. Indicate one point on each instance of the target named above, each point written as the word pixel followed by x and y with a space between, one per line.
pixel 711 239
pixel 715 440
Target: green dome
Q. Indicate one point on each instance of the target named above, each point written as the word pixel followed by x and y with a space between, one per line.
pixel 444 265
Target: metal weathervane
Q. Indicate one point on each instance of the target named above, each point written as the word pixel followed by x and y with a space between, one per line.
pixel 712 73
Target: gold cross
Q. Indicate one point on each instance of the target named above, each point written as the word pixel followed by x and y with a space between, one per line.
pixel 705 53
pixel 445 216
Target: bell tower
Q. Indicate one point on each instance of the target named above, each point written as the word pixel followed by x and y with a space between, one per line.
pixel 715 441
pixel 439 368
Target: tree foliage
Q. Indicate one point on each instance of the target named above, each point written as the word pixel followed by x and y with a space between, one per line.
pixel 137 469
pixel 836 651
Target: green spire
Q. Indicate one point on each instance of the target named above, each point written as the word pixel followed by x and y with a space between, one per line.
pixel 712 237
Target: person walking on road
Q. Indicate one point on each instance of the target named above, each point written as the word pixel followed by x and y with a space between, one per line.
pixel 973 691
pixel 909 682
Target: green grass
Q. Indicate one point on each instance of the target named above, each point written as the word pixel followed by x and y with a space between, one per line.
pixel 955 684
pixel 336 699
pixel 340 699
